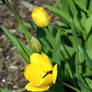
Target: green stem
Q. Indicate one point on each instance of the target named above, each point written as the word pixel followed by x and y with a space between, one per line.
pixel 73 88
pixel 27 35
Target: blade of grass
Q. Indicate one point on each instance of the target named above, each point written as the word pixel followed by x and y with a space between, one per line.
pixel 50 37
pixel 57 60
pixel 79 47
pixel 65 7
pixel 27 34
pixel 90 7
pixel 63 15
pixel 72 7
pixel 4 90
pixel 1 63
pixel 81 6
pixel 84 87
pixel 56 54
pixel 56 49
pixel 25 53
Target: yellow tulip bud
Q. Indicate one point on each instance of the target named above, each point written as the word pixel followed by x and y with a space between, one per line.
pixel 36 46
pixel 40 73
pixel 40 17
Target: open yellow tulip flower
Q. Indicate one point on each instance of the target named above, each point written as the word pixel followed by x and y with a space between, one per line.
pixel 40 73
pixel 40 17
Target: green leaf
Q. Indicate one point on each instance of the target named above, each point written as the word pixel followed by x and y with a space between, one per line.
pixel 83 20
pixel 88 44
pixel 90 7
pixel 72 7
pixel 46 37
pixel 89 82
pixel 65 7
pixel 77 23
pixel 1 64
pixel 81 6
pixel 25 53
pixel 4 90
pixel 88 24
pixel 83 86
pixel 83 2
pixel 56 50
pixel 56 55
pixel 65 47
pixel 62 24
pixel 79 47
pixel 49 36
pixel 27 34
pixel 63 15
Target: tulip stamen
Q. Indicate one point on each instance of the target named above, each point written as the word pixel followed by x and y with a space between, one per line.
pixel 48 72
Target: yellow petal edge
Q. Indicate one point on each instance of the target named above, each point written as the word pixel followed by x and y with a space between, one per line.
pixel 54 74
pixel 31 88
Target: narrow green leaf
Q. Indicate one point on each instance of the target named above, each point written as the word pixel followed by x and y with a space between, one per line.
pixel 90 7
pixel 77 23
pixel 50 37
pixel 27 34
pixel 89 82
pixel 65 7
pixel 62 24
pixel 46 37
pixel 83 2
pixel 79 47
pixel 63 15
pixel 56 50
pixel 25 53
pixel 81 6
pixel 4 90
pixel 1 64
pixel 88 24
pixel 72 7
pixel 88 44
pixel 56 55
pixel 69 49
pixel 83 86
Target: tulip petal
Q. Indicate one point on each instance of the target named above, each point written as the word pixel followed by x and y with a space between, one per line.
pixel 42 60
pixel 47 80
pixel 54 74
pixel 33 73
pixel 29 87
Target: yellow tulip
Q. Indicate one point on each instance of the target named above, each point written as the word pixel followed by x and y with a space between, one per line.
pixel 40 73
pixel 40 17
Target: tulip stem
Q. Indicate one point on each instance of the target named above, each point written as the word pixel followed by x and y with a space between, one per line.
pixel 73 88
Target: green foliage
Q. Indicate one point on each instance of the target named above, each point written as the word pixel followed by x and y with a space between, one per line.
pixel 25 52
pixel 77 27
pixel 4 90
pixel 0 64
pixel 68 43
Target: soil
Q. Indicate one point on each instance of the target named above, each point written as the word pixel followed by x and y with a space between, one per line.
pixel 11 71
